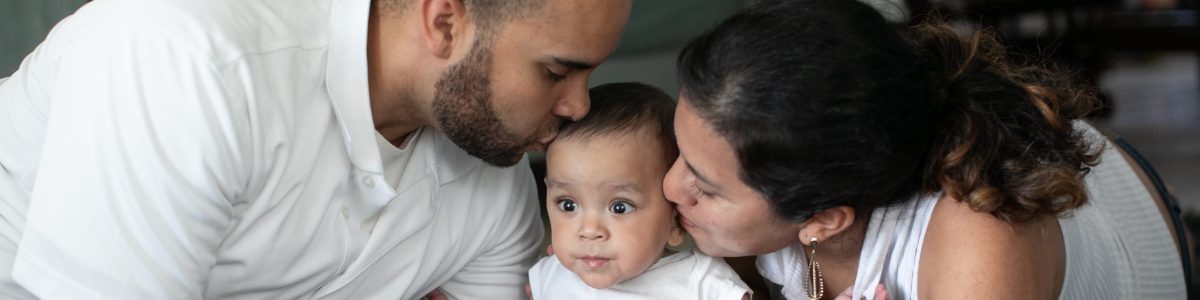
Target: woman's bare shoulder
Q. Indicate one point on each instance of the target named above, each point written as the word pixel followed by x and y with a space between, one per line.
pixel 970 254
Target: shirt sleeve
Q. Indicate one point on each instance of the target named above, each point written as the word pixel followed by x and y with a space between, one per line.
pixel 137 166
pixel 501 272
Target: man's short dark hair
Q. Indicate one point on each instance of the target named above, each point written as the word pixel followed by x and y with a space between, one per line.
pixel 487 14
pixel 627 108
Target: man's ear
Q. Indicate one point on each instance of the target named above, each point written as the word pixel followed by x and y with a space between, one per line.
pixel 443 24
pixel 827 223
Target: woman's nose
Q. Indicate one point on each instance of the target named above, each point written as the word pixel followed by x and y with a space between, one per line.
pixel 673 186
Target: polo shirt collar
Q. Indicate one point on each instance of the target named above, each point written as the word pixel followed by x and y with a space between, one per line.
pixel 346 80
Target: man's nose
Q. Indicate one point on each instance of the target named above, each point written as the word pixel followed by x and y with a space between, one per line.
pixel 575 104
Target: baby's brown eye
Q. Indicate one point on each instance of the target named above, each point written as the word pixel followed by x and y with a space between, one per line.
pixel 566 205
pixel 621 207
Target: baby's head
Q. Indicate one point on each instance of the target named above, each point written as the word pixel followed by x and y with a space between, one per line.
pixel 608 216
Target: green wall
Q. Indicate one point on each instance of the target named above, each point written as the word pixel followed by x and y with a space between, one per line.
pixel 657 30
pixel 24 24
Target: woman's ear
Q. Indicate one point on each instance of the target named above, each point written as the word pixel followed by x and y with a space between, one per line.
pixel 443 23
pixel 827 223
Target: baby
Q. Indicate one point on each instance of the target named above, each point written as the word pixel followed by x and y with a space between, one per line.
pixel 609 220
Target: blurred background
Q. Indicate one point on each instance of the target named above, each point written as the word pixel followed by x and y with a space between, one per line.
pixel 1142 54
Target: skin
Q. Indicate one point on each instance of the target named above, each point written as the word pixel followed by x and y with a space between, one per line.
pixel 975 255
pixel 966 254
pixel 536 72
pixel 537 69
pixel 609 219
pixel 725 216
pixel 708 194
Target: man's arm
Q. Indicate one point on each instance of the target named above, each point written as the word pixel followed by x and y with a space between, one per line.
pixel 136 169
pixel 502 271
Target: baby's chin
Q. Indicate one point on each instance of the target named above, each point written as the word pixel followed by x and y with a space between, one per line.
pixel 602 275
pixel 600 281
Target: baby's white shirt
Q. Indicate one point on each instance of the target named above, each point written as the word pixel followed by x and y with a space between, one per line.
pixel 684 275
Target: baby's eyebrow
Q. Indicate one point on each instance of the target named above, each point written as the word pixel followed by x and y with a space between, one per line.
pixel 631 187
pixel 551 183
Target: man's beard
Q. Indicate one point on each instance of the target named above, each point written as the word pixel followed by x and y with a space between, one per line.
pixel 462 105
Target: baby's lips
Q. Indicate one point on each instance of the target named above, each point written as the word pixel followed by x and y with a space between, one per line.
pixel 594 262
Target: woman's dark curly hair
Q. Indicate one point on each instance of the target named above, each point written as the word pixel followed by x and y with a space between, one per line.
pixel 826 104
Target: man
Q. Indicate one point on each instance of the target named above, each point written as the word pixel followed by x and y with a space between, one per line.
pixel 272 149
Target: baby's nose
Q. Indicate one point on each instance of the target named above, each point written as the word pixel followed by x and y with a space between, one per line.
pixel 593 231
pixel 592 235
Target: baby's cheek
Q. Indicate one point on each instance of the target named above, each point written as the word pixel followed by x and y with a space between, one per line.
pixel 563 259
pixel 637 261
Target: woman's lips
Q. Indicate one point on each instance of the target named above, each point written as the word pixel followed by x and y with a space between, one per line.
pixel 594 262
pixel 685 222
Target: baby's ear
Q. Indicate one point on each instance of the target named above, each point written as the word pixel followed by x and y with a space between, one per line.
pixel 675 237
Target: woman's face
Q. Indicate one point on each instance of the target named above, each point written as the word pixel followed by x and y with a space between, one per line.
pixel 726 217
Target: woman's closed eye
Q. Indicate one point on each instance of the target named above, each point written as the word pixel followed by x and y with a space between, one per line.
pixel 699 193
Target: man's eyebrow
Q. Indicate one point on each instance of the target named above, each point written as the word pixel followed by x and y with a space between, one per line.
pixel 698 175
pixel 573 64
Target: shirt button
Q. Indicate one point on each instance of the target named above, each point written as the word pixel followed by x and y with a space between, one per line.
pixel 367 181
pixel 345 212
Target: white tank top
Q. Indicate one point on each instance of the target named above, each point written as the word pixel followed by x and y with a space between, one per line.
pixel 1117 246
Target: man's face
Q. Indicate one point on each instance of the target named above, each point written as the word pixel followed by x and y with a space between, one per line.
pixel 463 106
pixel 518 83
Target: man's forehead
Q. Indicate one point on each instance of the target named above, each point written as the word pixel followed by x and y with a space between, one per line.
pixel 569 35
pixel 586 17
pixel 600 9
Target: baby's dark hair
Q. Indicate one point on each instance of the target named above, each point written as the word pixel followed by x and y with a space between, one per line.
pixel 628 107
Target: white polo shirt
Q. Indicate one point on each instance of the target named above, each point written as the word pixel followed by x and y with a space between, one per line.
pixel 225 149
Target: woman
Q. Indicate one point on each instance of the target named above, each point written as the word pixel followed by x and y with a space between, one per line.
pixel 846 154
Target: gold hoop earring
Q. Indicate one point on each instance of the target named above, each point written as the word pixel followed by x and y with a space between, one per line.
pixel 814 286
